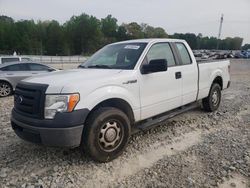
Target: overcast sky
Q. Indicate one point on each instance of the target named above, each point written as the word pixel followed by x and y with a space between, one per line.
pixel 196 16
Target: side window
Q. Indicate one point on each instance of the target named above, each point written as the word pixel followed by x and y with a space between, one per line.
pixel 161 51
pixel 6 60
pixel 185 58
pixel 17 67
pixel 37 67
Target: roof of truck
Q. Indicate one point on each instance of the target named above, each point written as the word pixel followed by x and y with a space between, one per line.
pixel 150 40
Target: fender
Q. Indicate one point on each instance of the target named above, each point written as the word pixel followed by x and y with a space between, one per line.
pixel 112 91
pixel 215 73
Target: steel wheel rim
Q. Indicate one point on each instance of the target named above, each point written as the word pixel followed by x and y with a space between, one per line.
pixel 111 135
pixel 215 98
pixel 4 89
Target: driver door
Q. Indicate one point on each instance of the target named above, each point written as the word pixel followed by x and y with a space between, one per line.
pixel 160 91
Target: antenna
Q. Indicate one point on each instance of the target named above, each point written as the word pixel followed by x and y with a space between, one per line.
pixel 220 28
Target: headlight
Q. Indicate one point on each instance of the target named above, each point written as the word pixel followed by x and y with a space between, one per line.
pixel 59 103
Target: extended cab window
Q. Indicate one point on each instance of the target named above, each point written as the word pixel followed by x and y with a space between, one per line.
pixel 185 58
pixel 161 51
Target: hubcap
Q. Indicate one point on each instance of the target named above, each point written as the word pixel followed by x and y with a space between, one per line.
pixel 110 136
pixel 215 98
pixel 4 89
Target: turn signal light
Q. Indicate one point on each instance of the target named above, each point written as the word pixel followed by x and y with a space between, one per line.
pixel 73 100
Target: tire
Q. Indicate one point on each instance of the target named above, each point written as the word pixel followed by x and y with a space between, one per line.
pixel 106 134
pixel 212 102
pixel 5 89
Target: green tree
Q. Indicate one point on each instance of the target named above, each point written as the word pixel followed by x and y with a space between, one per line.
pixel 134 30
pixel 84 34
pixel 151 32
pixel 26 38
pixel 122 33
pixel 246 47
pixel 109 27
pixel 54 39
pixel 7 35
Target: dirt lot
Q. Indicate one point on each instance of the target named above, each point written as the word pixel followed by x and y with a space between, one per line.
pixel 196 149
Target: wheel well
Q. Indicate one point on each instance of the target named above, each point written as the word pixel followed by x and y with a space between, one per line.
pixel 219 81
pixel 119 104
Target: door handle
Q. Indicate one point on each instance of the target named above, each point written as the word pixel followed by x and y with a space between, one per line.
pixel 9 74
pixel 33 73
pixel 177 75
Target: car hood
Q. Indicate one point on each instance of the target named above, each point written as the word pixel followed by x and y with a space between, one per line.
pixel 70 80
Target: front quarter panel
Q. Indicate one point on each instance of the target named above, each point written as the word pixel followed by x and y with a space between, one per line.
pixel 131 96
pixel 122 86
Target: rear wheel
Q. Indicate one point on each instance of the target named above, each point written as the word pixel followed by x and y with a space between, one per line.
pixel 212 102
pixel 106 134
pixel 5 89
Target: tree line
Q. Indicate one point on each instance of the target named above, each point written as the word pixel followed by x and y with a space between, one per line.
pixel 85 34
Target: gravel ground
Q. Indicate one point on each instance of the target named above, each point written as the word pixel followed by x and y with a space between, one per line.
pixel 195 149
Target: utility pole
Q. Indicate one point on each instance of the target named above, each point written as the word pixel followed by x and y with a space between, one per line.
pixel 220 28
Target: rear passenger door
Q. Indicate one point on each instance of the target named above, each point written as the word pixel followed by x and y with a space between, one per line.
pixel 189 73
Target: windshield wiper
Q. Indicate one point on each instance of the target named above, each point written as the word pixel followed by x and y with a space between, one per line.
pixel 100 66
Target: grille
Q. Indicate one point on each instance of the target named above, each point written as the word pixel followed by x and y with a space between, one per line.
pixel 29 99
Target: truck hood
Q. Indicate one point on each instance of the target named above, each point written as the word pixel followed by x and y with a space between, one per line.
pixel 61 81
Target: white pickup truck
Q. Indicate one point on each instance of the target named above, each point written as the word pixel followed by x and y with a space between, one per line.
pixel 125 86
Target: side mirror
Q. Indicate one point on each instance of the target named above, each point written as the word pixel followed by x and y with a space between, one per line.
pixel 156 65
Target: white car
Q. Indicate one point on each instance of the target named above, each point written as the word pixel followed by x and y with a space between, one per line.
pixel 124 86
pixel 9 59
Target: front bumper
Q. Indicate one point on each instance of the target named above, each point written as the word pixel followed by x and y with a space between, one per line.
pixel 65 130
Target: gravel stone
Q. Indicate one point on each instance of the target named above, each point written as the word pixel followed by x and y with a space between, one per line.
pixel 232 184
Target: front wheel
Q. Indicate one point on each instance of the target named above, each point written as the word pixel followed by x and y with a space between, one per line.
pixel 106 134
pixel 5 89
pixel 212 102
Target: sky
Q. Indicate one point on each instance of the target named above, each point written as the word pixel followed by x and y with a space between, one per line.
pixel 194 16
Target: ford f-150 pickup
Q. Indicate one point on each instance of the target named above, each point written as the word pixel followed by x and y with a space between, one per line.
pixel 125 86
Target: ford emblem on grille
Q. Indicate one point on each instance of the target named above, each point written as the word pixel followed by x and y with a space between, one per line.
pixel 19 99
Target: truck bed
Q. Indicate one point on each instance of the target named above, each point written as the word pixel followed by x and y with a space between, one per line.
pixel 199 61
pixel 208 70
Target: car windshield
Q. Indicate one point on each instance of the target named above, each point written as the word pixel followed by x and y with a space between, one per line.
pixel 116 56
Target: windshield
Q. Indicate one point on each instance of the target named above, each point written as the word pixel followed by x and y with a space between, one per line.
pixel 116 56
